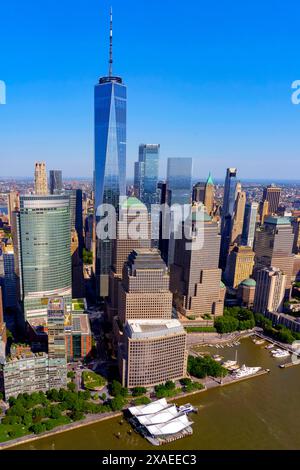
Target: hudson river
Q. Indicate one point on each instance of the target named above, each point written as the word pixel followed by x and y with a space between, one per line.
pixel 259 413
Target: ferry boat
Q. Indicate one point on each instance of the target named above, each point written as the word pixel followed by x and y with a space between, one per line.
pixel 245 371
pixel 188 408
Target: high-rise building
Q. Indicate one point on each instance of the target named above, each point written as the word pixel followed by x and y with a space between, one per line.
pixel 198 195
pixel 239 265
pixel 146 174
pixel 179 183
pixel 77 242
pixel 263 211
pixel 179 179
pixel 110 158
pixel 272 194
pixel 56 184
pixel 44 253
pixel 296 227
pixel 2 330
pixel 8 278
pixel 152 352
pixel 13 204
pixel 238 216
pixel 195 275
pixel 250 221
pixel 56 328
pixel 144 292
pixel 209 195
pixel 270 290
pixel 124 244
pixel 229 204
pixel 40 179
pixel 274 247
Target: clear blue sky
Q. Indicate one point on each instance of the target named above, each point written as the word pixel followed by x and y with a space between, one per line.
pixel 208 80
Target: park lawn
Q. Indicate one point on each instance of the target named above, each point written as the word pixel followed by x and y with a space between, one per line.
pixel 12 431
pixel 93 381
pixel 200 329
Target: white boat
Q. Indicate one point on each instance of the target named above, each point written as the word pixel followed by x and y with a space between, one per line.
pixel 188 408
pixel 245 371
pixel 271 346
pixel 279 353
pixel 217 358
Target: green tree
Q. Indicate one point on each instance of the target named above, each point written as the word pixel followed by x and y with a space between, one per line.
pixel 117 403
pixel 138 391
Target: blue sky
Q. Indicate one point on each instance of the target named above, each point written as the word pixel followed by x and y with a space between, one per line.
pixel 208 80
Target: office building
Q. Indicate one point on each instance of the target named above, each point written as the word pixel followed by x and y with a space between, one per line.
pixel 2 330
pixel 238 216
pixel 152 352
pixel 195 275
pixel 110 159
pixel 78 332
pixel 8 278
pixel 198 195
pixel 239 265
pixel 250 221
pixel 56 328
pixel 179 180
pixel 296 228
pixel 229 204
pixel 146 174
pixel 13 205
pixel 272 194
pixel 274 247
pixel 56 184
pixel 40 179
pixel 44 253
pixel 209 195
pixel 246 293
pixel 263 211
pixel 144 292
pixel 270 290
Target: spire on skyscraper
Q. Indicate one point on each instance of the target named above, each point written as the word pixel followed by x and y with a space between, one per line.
pixel 111 44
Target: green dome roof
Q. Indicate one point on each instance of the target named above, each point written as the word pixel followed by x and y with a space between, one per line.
pixel 249 283
pixel 209 181
pixel 222 285
pixel 132 202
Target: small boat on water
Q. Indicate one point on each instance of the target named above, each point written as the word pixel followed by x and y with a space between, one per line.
pixel 188 408
pixel 245 371
pixel 279 353
pixel 270 346
pixel 217 357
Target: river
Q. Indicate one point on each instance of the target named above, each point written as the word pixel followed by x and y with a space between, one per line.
pixel 259 413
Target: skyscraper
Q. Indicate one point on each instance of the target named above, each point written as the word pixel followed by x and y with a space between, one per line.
pixel 179 179
pixel 229 202
pixel 272 194
pixel 239 265
pixel 44 253
pixel 146 174
pixel 56 184
pixel 110 157
pixel 250 219
pixel 238 216
pixel 274 247
pixel 40 179
pixel 270 290
pixel 195 275
pixel 2 330
pixel 209 195
pixel 179 183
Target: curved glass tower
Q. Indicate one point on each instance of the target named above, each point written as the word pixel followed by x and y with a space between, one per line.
pixel 44 253
pixel 110 158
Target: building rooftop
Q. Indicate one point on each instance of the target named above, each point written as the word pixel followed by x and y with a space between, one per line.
pixel 131 202
pixel 146 258
pixel 273 220
pixel 143 329
pixel 248 283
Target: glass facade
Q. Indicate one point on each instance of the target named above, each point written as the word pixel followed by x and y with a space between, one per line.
pixel 148 173
pixel 249 228
pixel 110 161
pixel 179 179
pixel 44 252
pixel 56 184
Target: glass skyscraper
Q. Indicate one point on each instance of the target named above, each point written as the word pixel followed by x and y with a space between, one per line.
pixel 146 174
pixel 227 213
pixel 249 228
pixel 110 102
pixel 44 253
pixel 179 179
pixel 56 184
